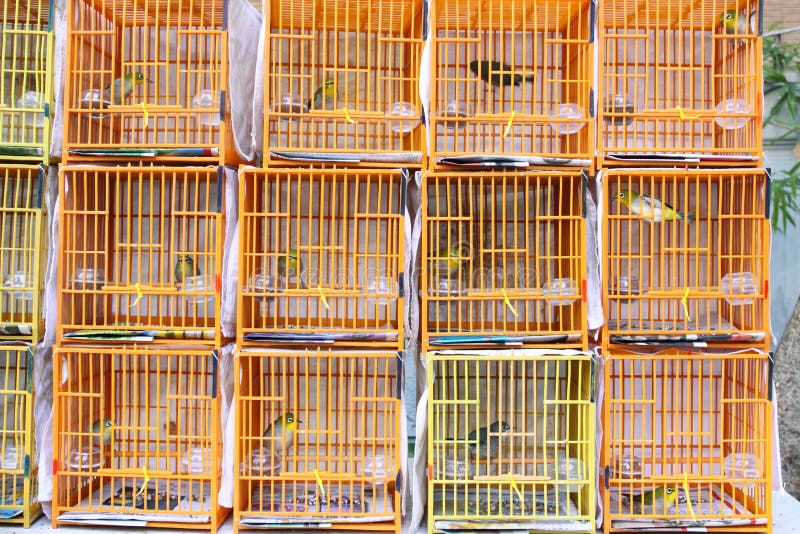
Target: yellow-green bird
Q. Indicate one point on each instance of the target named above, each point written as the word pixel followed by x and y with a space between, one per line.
pixel 121 88
pixel 738 23
pixel 660 499
pixel 487 446
pixel 184 268
pixel 283 428
pixel 324 97
pixel 651 208
pixel 497 73
pixel 104 428
pixel 450 260
pixel 290 265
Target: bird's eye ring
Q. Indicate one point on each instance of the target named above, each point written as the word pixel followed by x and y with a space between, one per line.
pixel 621 195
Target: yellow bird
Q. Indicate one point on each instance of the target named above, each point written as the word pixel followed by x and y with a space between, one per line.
pixel 291 265
pixel 184 268
pixel 651 208
pixel 282 428
pixel 450 260
pixel 104 428
pixel 659 500
pixel 121 88
pixel 324 97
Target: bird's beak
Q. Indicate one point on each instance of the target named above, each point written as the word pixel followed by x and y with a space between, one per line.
pixel 149 81
pixel 299 422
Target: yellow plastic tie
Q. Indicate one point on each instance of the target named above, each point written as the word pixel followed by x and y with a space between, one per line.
pixel 322 296
pixel 508 126
pixel 319 483
pixel 516 488
pixel 144 484
pixel 685 305
pixel 684 116
pixel 688 500
pixel 507 301
pixel 347 116
pixel 146 114
pixel 138 295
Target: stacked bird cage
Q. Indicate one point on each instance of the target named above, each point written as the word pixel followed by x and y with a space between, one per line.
pixel 687 256
pixel 25 71
pixel 341 82
pixel 21 254
pixel 18 470
pixel 687 440
pixel 503 258
pixel 137 435
pixel 321 256
pixel 512 79
pixel 318 439
pixel 511 440
pixel 680 80
pixel 146 80
pixel 140 253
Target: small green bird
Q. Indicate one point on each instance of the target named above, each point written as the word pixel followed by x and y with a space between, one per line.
pixel 737 23
pixel 291 265
pixel 651 208
pixel 103 428
pixel 450 260
pixel 283 427
pixel 121 88
pixel 497 73
pixel 324 96
pixel 660 499
pixel 184 268
pixel 487 446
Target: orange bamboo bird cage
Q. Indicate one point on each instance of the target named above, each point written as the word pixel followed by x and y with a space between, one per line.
pixel 318 439
pixel 680 79
pixel 21 252
pixel 503 255
pixel 513 78
pixel 686 256
pixel 146 80
pixel 26 76
pixel 18 470
pixel 321 253
pixel 137 432
pixel 140 253
pixel 687 440
pixel 341 81
pixel 511 440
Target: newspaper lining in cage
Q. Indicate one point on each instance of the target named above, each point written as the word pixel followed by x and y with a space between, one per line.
pixel 728 332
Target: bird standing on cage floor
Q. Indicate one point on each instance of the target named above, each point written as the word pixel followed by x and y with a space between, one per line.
pixel 324 97
pixel 282 430
pixel 659 500
pixel 651 209
pixel 185 267
pixel 120 89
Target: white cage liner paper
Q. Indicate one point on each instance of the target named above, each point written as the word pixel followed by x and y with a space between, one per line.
pixel 227 424
pixel 242 74
pixel 230 254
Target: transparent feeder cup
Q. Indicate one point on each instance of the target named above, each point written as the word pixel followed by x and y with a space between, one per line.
pixel 568 111
pixel 33 101
pixel 94 99
pixel 456 109
pixel 733 106
pixel 290 103
pixel 88 278
pixel 562 469
pixel 381 285
pixel 564 287
pixel 197 284
pixel 376 466
pixel 617 104
pixel 408 112
pixel 197 461
pixel 88 457
pixel 742 466
pixel 456 469
pixel 207 99
pixel 625 286
pixel 262 463
pixel 627 466
pixel 20 280
pixel 739 286
pixel 11 458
